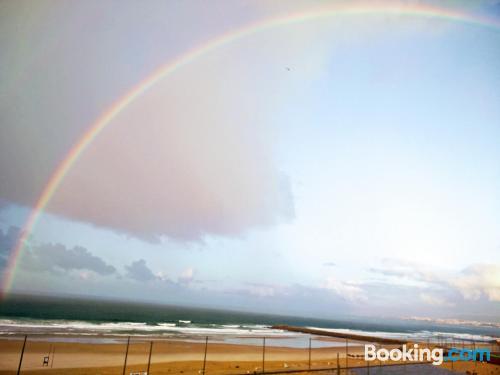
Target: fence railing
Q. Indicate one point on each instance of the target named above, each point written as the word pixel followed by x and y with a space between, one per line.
pixel 204 355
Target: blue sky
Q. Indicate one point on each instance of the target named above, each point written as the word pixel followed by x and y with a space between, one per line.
pixel 347 164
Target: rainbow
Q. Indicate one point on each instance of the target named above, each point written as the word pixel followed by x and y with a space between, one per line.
pixel 352 8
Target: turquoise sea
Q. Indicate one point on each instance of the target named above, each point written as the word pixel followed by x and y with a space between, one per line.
pixel 76 317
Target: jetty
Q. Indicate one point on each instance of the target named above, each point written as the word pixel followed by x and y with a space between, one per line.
pixel 349 336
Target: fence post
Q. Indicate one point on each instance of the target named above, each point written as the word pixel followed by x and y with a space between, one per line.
pixel 338 364
pixel 309 353
pixel 53 356
pixel 475 362
pixel 149 358
pixel 346 353
pixel 22 354
pixel 126 355
pixel 205 356
pixel 263 355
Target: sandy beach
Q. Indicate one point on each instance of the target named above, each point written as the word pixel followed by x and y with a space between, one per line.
pixel 168 357
pixel 181 357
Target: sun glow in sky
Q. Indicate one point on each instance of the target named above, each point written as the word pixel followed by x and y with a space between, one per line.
pixel 338 165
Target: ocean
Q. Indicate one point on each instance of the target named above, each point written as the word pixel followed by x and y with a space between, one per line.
pixel 70 319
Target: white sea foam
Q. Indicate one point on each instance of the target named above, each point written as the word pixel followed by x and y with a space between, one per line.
pixel 181 328
pixel 225 332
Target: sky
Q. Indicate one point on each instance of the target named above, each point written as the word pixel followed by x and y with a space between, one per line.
pixel 338 166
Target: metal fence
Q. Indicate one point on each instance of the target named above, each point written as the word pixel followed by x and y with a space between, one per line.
pixel 203 355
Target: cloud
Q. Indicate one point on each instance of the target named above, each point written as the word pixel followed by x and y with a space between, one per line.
pixel 479 280
pixel 8 239
pixel 139 271
pixel 57 257
pixel 53 258
pixel 264 290
pixel 348 290
pixel 3 204
pixel 475 281
pixel 435 300
pixel 48 257
pixel 329 264
pixel 193 156
pixel 187 276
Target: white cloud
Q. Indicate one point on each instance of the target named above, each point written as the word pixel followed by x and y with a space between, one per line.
pixel 187 276
pixel 435 300
pixel 191 157
pixel 472 283
pixel 348 290
pixel 479 280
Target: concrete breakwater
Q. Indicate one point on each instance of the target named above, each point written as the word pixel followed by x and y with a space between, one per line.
pixel 349 336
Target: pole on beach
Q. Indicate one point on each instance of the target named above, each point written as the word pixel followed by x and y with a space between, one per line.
pixel 263 355
pixel 22 354
pixel 309 353
pixel 126 355
pixel 205 355
pixel 475 362
pixel 338 364
pixel 346 353
pixel 149 358
pixel 53 355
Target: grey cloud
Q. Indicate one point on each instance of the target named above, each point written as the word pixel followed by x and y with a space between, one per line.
pixel 54 257
pixel 51 257
pixel 3 204
pixel 139 271
pixel 8 240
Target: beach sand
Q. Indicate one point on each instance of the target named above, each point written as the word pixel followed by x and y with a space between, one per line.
pixel 168 357
pixel 179 357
